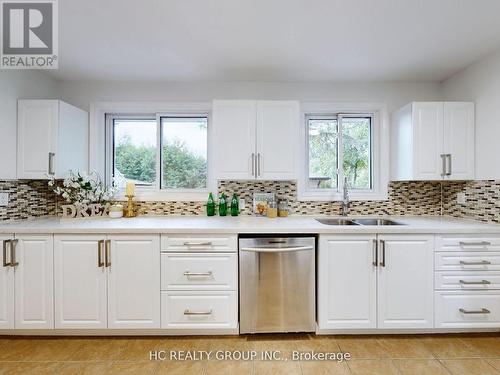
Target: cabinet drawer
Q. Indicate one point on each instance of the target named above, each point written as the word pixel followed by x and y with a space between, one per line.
pixel 472 309
pixel 202 310
pixel 467 261
pixel 468 243
pixel 467 280
pixel 195 271
pixel 194 243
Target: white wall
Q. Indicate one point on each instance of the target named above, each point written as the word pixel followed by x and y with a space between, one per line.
pixel 480 83
pixel 394 95
pixel 18 84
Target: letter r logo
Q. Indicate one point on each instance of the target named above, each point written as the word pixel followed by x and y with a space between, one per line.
pixel 27 27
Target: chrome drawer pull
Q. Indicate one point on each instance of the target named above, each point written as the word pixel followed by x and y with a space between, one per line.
pixel 5 243
pixel 188 312
pixel 482 282
pixel 482 311
pixel 198 243
pixel 13 262
pixel 187 273
pixel 480 243
pixel 480 263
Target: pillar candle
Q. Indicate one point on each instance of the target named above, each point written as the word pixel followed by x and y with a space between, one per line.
pixel 130 188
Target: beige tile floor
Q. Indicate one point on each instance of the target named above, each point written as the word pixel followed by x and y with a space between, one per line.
pixel 423 354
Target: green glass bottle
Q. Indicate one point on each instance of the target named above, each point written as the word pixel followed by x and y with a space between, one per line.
pixel 210 205
pixel 222 205
pixel 235 207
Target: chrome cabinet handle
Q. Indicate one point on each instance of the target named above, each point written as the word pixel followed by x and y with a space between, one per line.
pixel 100 244
pixel 253 164
pixel 375 253
pixel 480 243
pixel 482 311
pixel 276 249
pixel 107 254
pixel 480 263
pixel 5 243
pixel 448 156
pixel 188 274
pixel 208 243
pixel 13 244
pixel 189 312
pixel 52 155
pixel 258 164
pixel 443 165
pixel 482 282
pixel 382 246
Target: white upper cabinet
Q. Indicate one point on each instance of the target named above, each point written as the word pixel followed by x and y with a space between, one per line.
pixel 234 139
pixel 433 141
pixel 52 137
pixel 459 140
pixel 277 130
pixel 255 139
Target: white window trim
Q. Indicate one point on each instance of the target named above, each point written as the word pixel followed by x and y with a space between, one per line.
pixel 99 160
pixel 380 151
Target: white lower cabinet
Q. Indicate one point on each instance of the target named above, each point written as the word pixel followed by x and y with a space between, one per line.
pixel 6 286
pixel 199 283
pixel 347 287
pixel 134 282
pixel 34 282
pixel 107 281
pixel 365 281
pixel 200 310
pixel 405 281
pixel 26 282
pixel 80 282
pixel 472 309
pixel 467 281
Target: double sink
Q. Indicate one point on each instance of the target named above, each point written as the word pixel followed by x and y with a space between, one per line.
pixel 341 221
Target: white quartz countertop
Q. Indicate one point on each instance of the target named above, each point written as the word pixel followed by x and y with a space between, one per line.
pixel 241 224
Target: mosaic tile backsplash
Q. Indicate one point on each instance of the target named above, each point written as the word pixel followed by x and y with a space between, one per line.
pixel 30 199
pixel 27 199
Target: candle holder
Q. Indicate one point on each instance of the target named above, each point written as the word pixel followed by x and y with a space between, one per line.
pixel 129 211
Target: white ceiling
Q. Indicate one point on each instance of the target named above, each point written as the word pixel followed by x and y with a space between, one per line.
pixel 274 40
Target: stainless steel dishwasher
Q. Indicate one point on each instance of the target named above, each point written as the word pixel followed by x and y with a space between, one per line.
pixel 277 284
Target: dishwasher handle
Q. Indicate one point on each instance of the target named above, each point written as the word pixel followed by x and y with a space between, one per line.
pixel 276 249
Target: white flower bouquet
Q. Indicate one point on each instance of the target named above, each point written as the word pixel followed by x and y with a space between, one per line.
pixel 82 190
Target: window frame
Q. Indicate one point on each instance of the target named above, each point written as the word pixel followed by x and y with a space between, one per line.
pixel 379 151
pixel 156 192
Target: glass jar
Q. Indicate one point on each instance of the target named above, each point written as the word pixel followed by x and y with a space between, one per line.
pixel 282 208
pixel 272 209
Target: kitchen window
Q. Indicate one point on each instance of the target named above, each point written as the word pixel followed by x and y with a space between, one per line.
pixel 161 153
pixel 341 148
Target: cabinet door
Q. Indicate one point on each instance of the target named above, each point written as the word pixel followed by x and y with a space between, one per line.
pixel 427 118
pixel 80 282
pixel 233 144
pixel 6 286
pixel 459 140
pixel 347 282
pixel 277 132
pixel 73 125
pixel 405 281
pixel 134 281
pixel 36 138
pixel 34 282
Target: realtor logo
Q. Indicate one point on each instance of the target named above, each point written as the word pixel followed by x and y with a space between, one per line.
pixel 29 34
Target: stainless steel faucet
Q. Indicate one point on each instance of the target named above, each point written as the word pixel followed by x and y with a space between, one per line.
pixel 345 199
